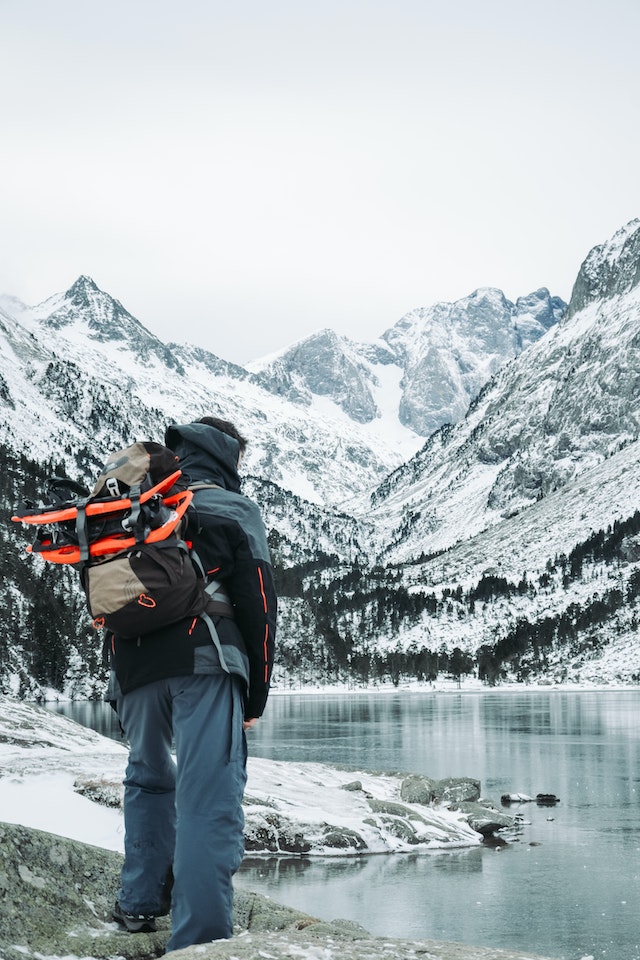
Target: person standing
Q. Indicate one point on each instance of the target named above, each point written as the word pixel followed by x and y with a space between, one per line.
pixel 199 683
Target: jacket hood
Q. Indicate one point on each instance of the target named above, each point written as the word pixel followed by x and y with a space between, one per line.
pixel 206 454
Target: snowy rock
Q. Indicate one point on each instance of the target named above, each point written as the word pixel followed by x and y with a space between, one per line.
pixel 507 798
pixel 353 786
pixel 419 789
pixel 457 789
pixel 484 818
pixel 314 809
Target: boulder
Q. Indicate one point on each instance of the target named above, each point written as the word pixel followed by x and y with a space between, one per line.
pixel 547 799
pixel 457 790
pixel 485 818
pixel 417 789
pixel 424 790
pixel 354 786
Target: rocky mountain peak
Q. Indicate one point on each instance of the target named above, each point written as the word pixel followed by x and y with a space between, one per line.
pixel 449 350
pixel 534 315
pixel 104 319
pixel 610 269
pixel 82 287
pixel 324 365
pixel 430 364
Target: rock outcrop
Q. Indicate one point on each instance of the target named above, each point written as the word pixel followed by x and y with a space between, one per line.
pixel 57 895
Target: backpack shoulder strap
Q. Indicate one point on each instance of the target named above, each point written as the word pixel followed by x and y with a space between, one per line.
pixel 215 640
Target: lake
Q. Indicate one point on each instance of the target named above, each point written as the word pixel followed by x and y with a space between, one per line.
pixel 568 888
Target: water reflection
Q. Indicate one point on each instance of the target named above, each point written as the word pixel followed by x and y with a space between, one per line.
pixel 564 890
pixel 274 869
pixel 94 714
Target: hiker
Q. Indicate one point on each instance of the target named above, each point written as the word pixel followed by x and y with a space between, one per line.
pixel 201 682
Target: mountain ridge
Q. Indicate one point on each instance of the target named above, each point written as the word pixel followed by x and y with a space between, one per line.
pixel 444 354
pixel 91 345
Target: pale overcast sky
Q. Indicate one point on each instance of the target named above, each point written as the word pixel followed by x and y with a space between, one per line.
pixel 241 174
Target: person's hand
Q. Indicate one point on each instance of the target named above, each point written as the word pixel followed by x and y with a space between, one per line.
pixel 249 724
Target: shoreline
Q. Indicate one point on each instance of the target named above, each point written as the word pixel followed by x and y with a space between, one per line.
pixel 444 686
pixel 410 687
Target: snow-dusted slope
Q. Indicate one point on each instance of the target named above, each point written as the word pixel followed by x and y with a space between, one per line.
pixel 565 405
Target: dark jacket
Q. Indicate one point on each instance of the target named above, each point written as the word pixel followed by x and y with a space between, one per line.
pixel 229 537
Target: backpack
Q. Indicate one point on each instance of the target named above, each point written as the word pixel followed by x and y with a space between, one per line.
pixel 125 539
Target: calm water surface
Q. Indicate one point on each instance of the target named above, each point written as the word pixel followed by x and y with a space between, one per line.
pixel 568 888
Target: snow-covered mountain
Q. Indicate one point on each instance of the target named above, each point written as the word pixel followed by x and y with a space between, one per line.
pixel 423 371
pixel 510 540
pixel 450 350
pixel 530 504
pixel 327 419
pixel 80 360
pixel 567 404
pixel 506 543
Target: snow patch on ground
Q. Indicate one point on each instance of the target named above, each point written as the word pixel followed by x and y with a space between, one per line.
pixel 45 760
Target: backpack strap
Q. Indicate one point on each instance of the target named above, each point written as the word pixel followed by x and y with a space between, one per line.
pixel 82 532
pixel 133 520
pixel 219 600
pixel 216 640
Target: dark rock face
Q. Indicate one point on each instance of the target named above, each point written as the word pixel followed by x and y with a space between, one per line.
pixel 610 269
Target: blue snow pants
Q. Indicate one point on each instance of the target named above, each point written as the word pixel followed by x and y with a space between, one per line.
pixel 189 812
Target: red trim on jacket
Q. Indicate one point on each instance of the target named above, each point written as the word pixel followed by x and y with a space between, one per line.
pixel 265 645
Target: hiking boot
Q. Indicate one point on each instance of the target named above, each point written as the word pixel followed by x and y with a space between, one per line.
pixel 134 922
